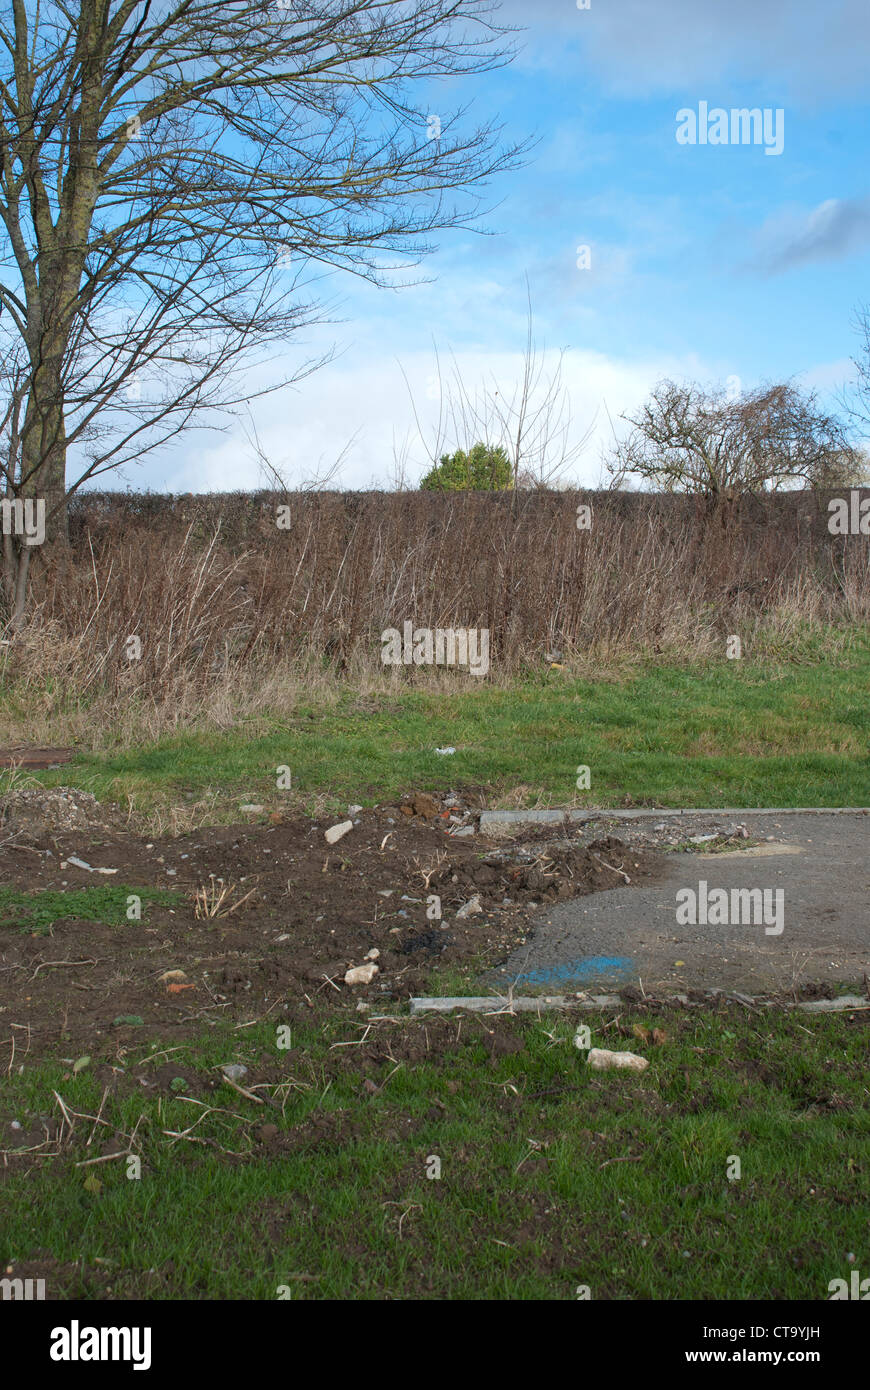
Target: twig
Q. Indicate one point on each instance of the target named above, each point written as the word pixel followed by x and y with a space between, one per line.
pixel 55 964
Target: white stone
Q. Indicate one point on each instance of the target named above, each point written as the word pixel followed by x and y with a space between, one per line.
pixel 361 974
pixel 336 832
pixel 602 1060
pixel 471 908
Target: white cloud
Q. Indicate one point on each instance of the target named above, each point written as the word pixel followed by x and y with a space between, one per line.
pixel 808 49
pixel 364 395
pixel 836 228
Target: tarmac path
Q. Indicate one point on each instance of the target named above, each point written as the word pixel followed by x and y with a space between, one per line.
pixel 815 870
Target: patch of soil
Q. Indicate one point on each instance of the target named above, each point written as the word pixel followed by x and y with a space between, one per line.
pixel 296 915
pixel 34 757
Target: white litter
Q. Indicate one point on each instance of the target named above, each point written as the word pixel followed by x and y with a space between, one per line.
pixel 599 1059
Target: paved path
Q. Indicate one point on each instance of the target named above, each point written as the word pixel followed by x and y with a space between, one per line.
pixel 820 865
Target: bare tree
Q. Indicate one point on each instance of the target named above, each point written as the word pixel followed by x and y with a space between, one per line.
pixel 175 175
pixel 718 445
pixel 530 418
pixel 855 398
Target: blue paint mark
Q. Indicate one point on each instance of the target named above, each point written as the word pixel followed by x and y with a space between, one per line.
pixel 587 968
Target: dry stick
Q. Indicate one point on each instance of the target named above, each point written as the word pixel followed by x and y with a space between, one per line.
pixel 56 964
pixel 97 1120
pixel 242 1092
pixel 64 1109
pixel 103 1158
pixel 612 867
pixel 356 1042
pixel 212 1109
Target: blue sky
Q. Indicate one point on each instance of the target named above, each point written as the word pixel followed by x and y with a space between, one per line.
pixel 707 262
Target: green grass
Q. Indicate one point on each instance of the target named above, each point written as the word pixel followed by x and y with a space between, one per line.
pixel 633 1200
pixel 38 911
pixel 727 733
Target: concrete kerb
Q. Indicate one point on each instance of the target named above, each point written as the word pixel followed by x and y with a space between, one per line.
pixel 493 1004
pixel 502 820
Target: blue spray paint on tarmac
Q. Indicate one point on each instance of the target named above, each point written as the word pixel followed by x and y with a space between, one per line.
pixel 586 969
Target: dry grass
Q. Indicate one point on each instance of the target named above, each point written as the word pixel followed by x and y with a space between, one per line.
pixel 218 899
pixel 238 618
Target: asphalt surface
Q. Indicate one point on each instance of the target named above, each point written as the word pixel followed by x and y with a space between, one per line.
pixel 815 870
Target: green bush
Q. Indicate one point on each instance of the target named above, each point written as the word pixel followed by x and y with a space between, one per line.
pixel 486 468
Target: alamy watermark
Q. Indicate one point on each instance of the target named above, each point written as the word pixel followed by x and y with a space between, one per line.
pixel 739 126
pixel 425 646
pixel 25 517
pixel 22 1290
pixel 849 518
pixel 77 1343
pixel 742 907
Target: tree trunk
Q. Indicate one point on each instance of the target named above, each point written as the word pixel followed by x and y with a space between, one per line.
pixel 43 452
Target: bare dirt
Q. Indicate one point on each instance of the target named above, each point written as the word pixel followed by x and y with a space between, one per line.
pixel 298 913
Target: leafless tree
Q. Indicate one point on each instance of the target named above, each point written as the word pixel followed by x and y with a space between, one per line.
pixel 175 175
pixel 855 398
pixel 718 445
pixel 530 417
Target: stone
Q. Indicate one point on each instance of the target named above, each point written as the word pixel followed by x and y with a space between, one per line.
pixel 470 909
pixel 234 1071
pixel 599 1059
pixel 337 832
pixel 361 974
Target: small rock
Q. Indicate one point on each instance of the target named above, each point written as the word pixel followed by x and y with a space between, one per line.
pixel 361 974
pixel 470 909
pixel 250 807
pixel 464 830
pixel 354 810
pixel 599 1059
pixel 337 832
pixel 445 752
pixel 234 1071
pixel 373 953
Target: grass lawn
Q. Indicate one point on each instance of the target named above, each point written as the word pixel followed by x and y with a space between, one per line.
pixel 552 1177
pixel 731 733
